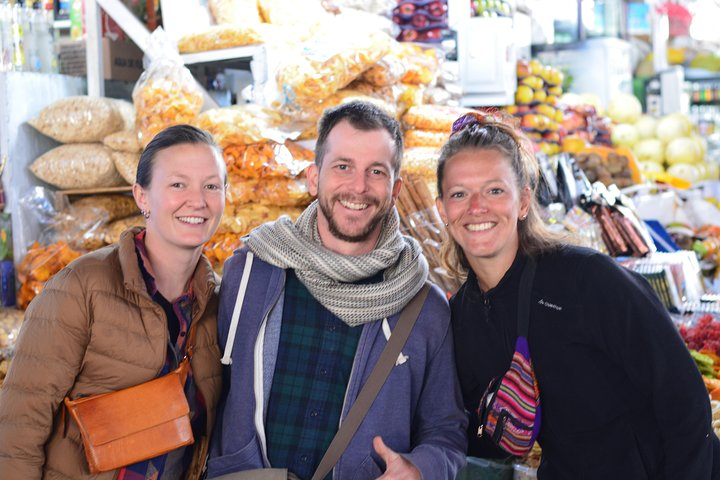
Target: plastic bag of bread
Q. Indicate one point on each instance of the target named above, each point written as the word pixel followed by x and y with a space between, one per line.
pixel 10 322
pixel 268 159
pixel 421 161
pixel 292 12
pixel 421 64
pixel 115 206
pixel 326 64
pixel 438 118
pixel 221 36
pixel 166 93
pixel 38 265
pixel 347 95
pixel 80 119
pixel 114 229
pixel 280 192
pixel 387 71
pixel 81 228
pixel 243 124
pixel 77 165
pixel 424 138
pixel 221 247
pixel 238 12
pixel 240 219
pixel 123 141
pixel 126 164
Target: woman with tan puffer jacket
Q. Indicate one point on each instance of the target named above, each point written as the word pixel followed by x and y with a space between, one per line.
pixel 120 316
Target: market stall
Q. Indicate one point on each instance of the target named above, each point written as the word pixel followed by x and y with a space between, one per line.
pixel 642 188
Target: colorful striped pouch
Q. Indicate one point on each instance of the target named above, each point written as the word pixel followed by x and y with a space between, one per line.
pixel 509 410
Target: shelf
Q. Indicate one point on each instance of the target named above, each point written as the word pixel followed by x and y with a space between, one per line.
pixel 246 52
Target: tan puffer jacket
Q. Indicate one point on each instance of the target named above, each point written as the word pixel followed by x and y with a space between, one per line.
pixel 94 329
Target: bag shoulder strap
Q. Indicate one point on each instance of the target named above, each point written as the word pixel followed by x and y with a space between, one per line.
pixel 226 358
pixel 526 281
pixel 372 387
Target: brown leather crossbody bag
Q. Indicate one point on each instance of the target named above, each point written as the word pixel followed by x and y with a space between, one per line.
pixel 137 423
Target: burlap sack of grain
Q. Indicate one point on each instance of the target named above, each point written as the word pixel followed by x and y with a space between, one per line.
pixel 126 164
pixel 127 112
pixel 123 141
pixel 115 229
pixel 78 165
pixel 79 119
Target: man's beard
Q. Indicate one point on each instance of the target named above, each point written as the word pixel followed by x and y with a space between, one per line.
pixel 326 208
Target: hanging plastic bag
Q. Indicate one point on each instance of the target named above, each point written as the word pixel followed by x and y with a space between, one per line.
pixel 166 93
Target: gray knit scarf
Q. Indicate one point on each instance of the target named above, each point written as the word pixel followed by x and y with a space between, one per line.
pixel 328 275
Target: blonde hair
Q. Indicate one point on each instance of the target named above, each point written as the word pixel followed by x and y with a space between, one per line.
pixel 495 132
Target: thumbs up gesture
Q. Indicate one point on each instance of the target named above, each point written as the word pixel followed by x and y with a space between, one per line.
pixel 397 468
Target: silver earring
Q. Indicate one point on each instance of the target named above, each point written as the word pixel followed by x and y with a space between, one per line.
pixel 523 217
pixel 145 214
pixel 446 225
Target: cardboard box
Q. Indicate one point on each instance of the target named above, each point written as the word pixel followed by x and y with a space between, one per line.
pixel 122 60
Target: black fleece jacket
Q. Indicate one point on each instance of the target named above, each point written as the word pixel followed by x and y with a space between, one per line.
pixel 621 397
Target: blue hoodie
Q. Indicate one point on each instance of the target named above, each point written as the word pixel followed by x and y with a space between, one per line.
pixel 418 412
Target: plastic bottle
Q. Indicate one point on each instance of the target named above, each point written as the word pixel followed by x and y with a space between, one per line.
pixel 32 19
pixel 46 43
pixel 18 37
pixel 6 38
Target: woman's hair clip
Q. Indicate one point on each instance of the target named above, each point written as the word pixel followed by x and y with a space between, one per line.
pixel 491 116
pixel 471 118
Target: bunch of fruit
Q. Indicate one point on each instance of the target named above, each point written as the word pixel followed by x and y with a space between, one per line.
pixel 490 8
pixel 536 104
pixel 663 146
pixel 421 20
pixel 583 126
pixel 704 335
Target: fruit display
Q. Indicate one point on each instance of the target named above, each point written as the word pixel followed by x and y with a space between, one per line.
pixel 666 147
pixel 704 335
pixel 608 165
pixel 490 8
pixel 421 20
pixel 536 104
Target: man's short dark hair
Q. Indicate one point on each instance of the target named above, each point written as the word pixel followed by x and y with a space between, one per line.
pixel 362 116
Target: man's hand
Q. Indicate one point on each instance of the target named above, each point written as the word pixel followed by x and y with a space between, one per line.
pixel 397 468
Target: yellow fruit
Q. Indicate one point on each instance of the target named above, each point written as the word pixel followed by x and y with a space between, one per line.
pixel 573 144
pixel 556 90
pixel 551 100
pixel 536 67
pixel 546 110
pixel 511 109
pixel 536 83
pixel 539 96
pixel 523 95
pixel 557 78
pixel 559 116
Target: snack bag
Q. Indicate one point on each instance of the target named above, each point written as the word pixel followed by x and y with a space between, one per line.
pixel 166 93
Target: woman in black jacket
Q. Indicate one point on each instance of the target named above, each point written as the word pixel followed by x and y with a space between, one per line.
pixel 620 395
